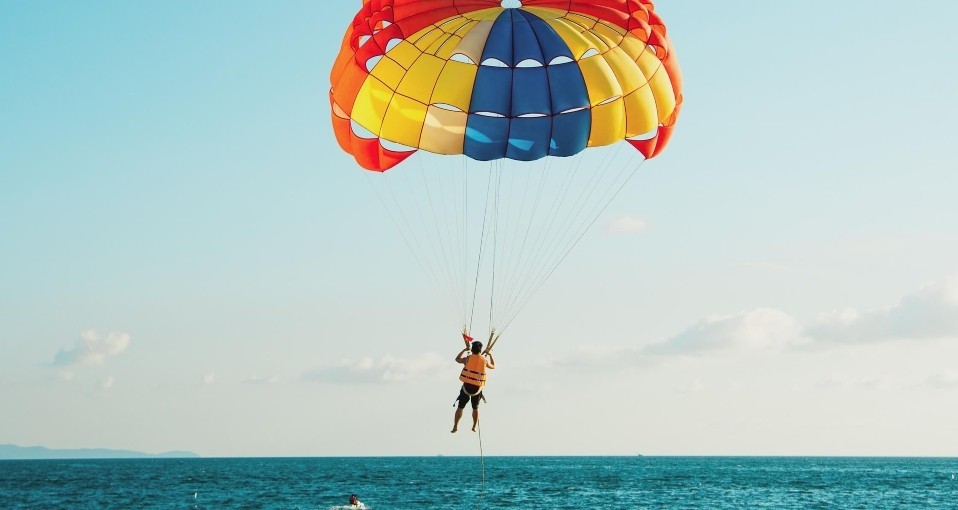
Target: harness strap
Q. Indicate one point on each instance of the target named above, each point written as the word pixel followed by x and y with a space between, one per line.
pixel 464 390
pixel 481 396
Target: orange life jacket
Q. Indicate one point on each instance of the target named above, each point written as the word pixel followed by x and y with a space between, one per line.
pixel 474 371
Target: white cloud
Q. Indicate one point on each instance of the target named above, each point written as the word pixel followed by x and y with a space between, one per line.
pixel 930 313
pixel 626 225
pixel 761 328
pixel 847 381
pixel 387 369
pixel 92 349
pixel 945 381
pixel 209 378
pixel 597 357
pixel 107 383
pixel 256 379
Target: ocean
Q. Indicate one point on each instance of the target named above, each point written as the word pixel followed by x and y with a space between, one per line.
pixel 384 483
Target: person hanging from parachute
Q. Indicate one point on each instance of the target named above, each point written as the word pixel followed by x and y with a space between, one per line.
pixel 473 377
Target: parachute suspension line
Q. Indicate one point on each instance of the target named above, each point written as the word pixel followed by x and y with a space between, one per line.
pixel 432 255
pixel 510 221
pixel 563 244
pixel 512 253
pixel 519 189
pixel 482 235
pixel 514 278
pixel 464 242
pixel 450 279
pixel 559 238
pixel 451 194
pixel 615 190
pixel 540 245
pixel 564 236
pixel 407 233
pixel 495 247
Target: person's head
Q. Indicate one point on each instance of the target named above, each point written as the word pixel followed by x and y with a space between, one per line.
pixel 476 347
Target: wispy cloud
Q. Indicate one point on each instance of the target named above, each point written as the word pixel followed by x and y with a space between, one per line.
pixel 92 349
pixel 945 381
pixel 107 383
pixel 761 328
pixel 209 379
pixel 846 381
pixel 625 225
pixel 589 357
pixel 386 369
pixel 257 379
pixel 930 313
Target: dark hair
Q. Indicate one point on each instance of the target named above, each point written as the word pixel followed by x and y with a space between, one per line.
pixel 476 347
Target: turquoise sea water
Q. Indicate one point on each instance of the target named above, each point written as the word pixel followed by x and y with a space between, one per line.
pixel 457 483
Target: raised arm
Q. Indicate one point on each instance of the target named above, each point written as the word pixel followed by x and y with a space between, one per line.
pixel 460 358
pixel 491 362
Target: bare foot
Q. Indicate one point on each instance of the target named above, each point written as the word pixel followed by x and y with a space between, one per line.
pixel 453 431
pixel 474 429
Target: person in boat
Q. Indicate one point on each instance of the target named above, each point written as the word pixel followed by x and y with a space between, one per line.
pixel 355 502
pixel 473 377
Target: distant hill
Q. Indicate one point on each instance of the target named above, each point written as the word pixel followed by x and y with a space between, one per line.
pixel 9 451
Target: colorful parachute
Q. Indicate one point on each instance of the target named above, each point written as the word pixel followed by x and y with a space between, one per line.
pixel 491 80
pixel 507 83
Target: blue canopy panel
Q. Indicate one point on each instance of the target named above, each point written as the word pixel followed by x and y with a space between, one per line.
pixel 525 44
pixel 550 45
pixel 499 42
pixel 492 91
pixel 528 111
pixel 570 133
pixel 487 138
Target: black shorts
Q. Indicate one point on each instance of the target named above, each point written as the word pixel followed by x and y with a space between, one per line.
pixel 464 397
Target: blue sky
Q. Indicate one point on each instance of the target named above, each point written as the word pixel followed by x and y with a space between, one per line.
pixel 188 260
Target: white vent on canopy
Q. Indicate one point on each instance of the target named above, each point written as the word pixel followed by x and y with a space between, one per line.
pixel 529 63
pixel 360 131
pixel 371 63
pixel 394 146
pixel 646 136
pixel 462 57
pixel 591 53
pixel 511 4
pixel 493 62
pixel 449 107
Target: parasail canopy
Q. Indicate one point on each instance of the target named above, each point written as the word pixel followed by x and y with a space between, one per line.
pixel 492 80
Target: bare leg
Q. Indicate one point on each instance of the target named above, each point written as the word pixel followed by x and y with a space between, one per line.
pixel 475 418
pixel 455 424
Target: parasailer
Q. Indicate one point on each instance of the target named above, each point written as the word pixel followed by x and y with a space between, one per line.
pixel 473 377
pixel 513 114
